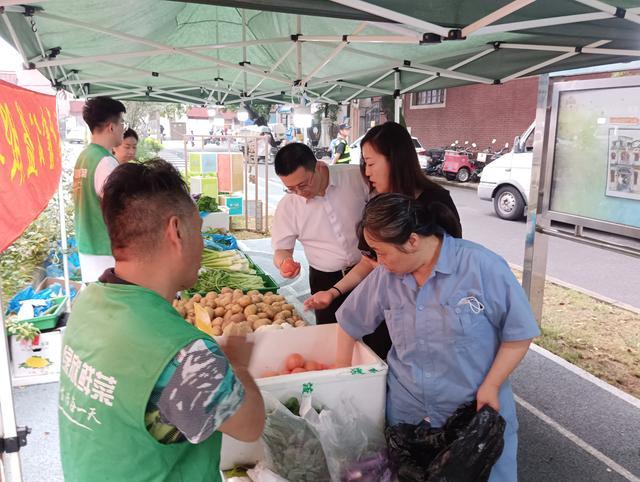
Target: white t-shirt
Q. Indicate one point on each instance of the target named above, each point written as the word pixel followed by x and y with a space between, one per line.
pixel 106 165
pixel 325 225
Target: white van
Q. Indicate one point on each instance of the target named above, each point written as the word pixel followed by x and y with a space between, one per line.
pixel 506 180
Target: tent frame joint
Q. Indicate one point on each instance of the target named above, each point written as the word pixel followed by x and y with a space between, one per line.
pixel 11 445
pixel 430 38
pixel 456 34
pixel 621 12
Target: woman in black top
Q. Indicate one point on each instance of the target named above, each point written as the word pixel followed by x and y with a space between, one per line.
pixel 389 162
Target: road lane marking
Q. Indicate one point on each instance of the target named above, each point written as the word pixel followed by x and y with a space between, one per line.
pixel 577 440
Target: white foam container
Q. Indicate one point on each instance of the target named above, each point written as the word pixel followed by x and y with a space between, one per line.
pixel 219 220
pixel 364 383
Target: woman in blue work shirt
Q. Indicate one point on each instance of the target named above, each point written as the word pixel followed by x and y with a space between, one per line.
pixel 459 321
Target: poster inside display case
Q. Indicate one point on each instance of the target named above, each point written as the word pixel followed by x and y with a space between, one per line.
pixel 593 163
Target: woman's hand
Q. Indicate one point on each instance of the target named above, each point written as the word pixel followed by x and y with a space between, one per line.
pixel 289 268
pixel 488 394
pixel 319 300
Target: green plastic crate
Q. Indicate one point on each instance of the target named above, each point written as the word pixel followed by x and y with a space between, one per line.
pixel 49 320
pixel 269 282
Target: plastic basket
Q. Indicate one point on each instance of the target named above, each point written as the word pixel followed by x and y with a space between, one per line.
pixel 49 320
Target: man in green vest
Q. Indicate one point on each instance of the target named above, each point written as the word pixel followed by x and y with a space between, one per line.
pixel 104 116
pixel 341 150
pixel 145 396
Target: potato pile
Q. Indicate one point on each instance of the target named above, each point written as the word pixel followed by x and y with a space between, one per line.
pixel 233 313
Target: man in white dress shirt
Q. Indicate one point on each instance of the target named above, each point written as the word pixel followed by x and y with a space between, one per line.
pixel 321 209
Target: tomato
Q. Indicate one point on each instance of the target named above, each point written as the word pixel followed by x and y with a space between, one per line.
pixel 295 360
pixel 312 366
pixel 289 265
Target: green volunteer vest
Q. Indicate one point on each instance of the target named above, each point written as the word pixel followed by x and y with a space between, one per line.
pixel 91 231
pixel 118 341
pixel 345 158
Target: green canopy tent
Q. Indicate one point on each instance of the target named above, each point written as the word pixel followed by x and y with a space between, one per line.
pixel 228 52
pixel 225 52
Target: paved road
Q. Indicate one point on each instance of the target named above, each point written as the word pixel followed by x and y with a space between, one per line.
pixel 607 273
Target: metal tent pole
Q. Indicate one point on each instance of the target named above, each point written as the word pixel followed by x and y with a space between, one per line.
pixel 535 250
pixel 10 461
pixel 397 98
pixel 63 241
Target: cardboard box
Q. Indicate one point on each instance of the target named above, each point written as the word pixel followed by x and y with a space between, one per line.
pixel 365 383
pixel 205 185
pixel 231 171
pixel 234 203
pixel 217 220
pixel 45 283
pixel 202 163
pixel 37 361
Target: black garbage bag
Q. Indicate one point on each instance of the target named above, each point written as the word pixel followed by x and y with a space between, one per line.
pixel 463 449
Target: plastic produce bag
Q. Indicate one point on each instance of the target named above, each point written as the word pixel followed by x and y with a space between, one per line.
pixel 464 449
pixel 30 294
pixel 53 263
pixel 292 446
pixel 219 242
pixel 261 473
pixel 345 443
pixel 322 445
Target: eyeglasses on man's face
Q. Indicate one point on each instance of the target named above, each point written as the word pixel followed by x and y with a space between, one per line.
pixel 302 187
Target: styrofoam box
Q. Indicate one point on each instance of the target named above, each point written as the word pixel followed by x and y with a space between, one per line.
pixel 37 361
pixel 205 185
pixel 364 383
pixel 218 220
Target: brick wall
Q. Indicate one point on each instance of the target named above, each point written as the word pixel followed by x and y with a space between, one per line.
pixel 475 113
pixel 479 113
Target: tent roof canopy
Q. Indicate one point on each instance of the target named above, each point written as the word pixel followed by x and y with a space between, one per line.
pixel 228 51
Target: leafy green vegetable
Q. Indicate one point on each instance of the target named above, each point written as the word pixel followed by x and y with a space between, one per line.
pixel 216 279
pixel 23 331
pixel 208 204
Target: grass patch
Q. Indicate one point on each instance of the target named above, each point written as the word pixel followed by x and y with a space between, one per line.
pixel 600 338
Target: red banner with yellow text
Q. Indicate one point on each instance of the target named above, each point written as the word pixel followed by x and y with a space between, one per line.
pixel 30 158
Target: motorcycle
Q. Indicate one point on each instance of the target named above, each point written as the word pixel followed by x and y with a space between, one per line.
pixel 486 157
pixel 435 158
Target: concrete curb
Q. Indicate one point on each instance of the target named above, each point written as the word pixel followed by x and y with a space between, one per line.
pixel 472 186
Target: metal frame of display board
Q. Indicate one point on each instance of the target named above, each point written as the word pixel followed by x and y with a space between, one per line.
pixel 539 217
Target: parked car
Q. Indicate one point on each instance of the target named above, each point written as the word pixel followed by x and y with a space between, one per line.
pixel 422 153
pixel 506 180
